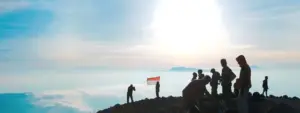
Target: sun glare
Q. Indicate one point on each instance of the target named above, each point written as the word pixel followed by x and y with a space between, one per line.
pixel 188 27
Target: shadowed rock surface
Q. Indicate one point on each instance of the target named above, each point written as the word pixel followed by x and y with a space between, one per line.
pixel 257 104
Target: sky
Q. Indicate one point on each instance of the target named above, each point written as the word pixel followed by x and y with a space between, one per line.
pixel 63 44
pixel 38 36
pixel 134 34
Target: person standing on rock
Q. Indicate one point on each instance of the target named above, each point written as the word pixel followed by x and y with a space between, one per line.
pixel 157 87
pixel 194 76
pixel 130 90
pixel 200 74
pixel 244 84
pixel 265 86
pixel 194 92
pixel 227 77
pixel 214 82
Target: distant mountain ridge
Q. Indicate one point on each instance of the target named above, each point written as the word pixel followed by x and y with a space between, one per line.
pixel 182 68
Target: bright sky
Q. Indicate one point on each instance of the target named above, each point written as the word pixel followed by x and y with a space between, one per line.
pixel 65 44
pixel 50 35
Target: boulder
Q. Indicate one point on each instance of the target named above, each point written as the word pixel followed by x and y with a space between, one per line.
pixel 282 108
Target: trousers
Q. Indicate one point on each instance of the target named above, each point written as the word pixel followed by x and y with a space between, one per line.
pixel 242 100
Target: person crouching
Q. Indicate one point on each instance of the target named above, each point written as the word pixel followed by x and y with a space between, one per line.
pixel 194 92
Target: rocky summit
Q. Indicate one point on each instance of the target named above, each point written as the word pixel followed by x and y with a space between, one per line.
pixel 257 104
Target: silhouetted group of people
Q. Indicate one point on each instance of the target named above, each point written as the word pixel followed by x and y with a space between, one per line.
pixel 194 93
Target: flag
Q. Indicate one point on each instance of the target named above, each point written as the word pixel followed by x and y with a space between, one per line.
pixel 153 80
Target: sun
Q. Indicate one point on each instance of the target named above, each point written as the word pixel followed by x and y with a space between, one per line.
pixel 188 27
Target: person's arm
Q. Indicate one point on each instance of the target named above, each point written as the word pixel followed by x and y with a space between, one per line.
pixel 233 76
pixel 206 92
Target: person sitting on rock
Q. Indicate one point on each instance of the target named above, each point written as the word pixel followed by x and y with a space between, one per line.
pixel 194 76
pixel 214 82
pixel 200 74
pixel 194 93
pixel 265 86
pixel 130 89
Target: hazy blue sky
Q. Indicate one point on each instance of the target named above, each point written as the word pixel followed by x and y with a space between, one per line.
pixel 62 44
pixel 58 34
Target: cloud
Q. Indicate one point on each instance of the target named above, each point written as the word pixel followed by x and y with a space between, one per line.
pixel 261 22
pixel 10 5
pixel 23 103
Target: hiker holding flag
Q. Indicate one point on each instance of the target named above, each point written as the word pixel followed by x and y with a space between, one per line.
pixel 152 81
pixel 157 86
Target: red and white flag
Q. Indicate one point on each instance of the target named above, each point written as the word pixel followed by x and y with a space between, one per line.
pixel 153 80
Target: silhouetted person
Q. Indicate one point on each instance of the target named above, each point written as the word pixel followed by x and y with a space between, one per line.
pixel 244 84
pixel 214 82
pixel 200 74
pixel 236 87
pixel 226 79
pixel 265 86
pixel 194 76
pixel 157 87
pixel 194 92
pixel 130 89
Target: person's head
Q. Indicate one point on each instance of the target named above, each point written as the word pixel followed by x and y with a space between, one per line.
pixel 207 79
pixel 199 71
pixel 194 74
pixel 223 62
pixel 131 85
pixel 157 82
pixel 213 70
pixel 241 60
pixel 266 77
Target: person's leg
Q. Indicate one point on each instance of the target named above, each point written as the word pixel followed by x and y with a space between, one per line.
pixel 242 102
pixel 127 98
pixel 235 93
pixel 228 93
pixel 245 100
pixel 131 97
pixel 223 91
pixel 266 92
pixel 239 101
pixel 213 90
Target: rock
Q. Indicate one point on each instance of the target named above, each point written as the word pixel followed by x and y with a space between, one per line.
pixel 257 97
pixel 282 108
pixel 272 96
pixel 285 97
pixel 174 105
pixel 296 98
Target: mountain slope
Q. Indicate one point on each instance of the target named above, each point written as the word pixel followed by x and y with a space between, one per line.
pixel 172 105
